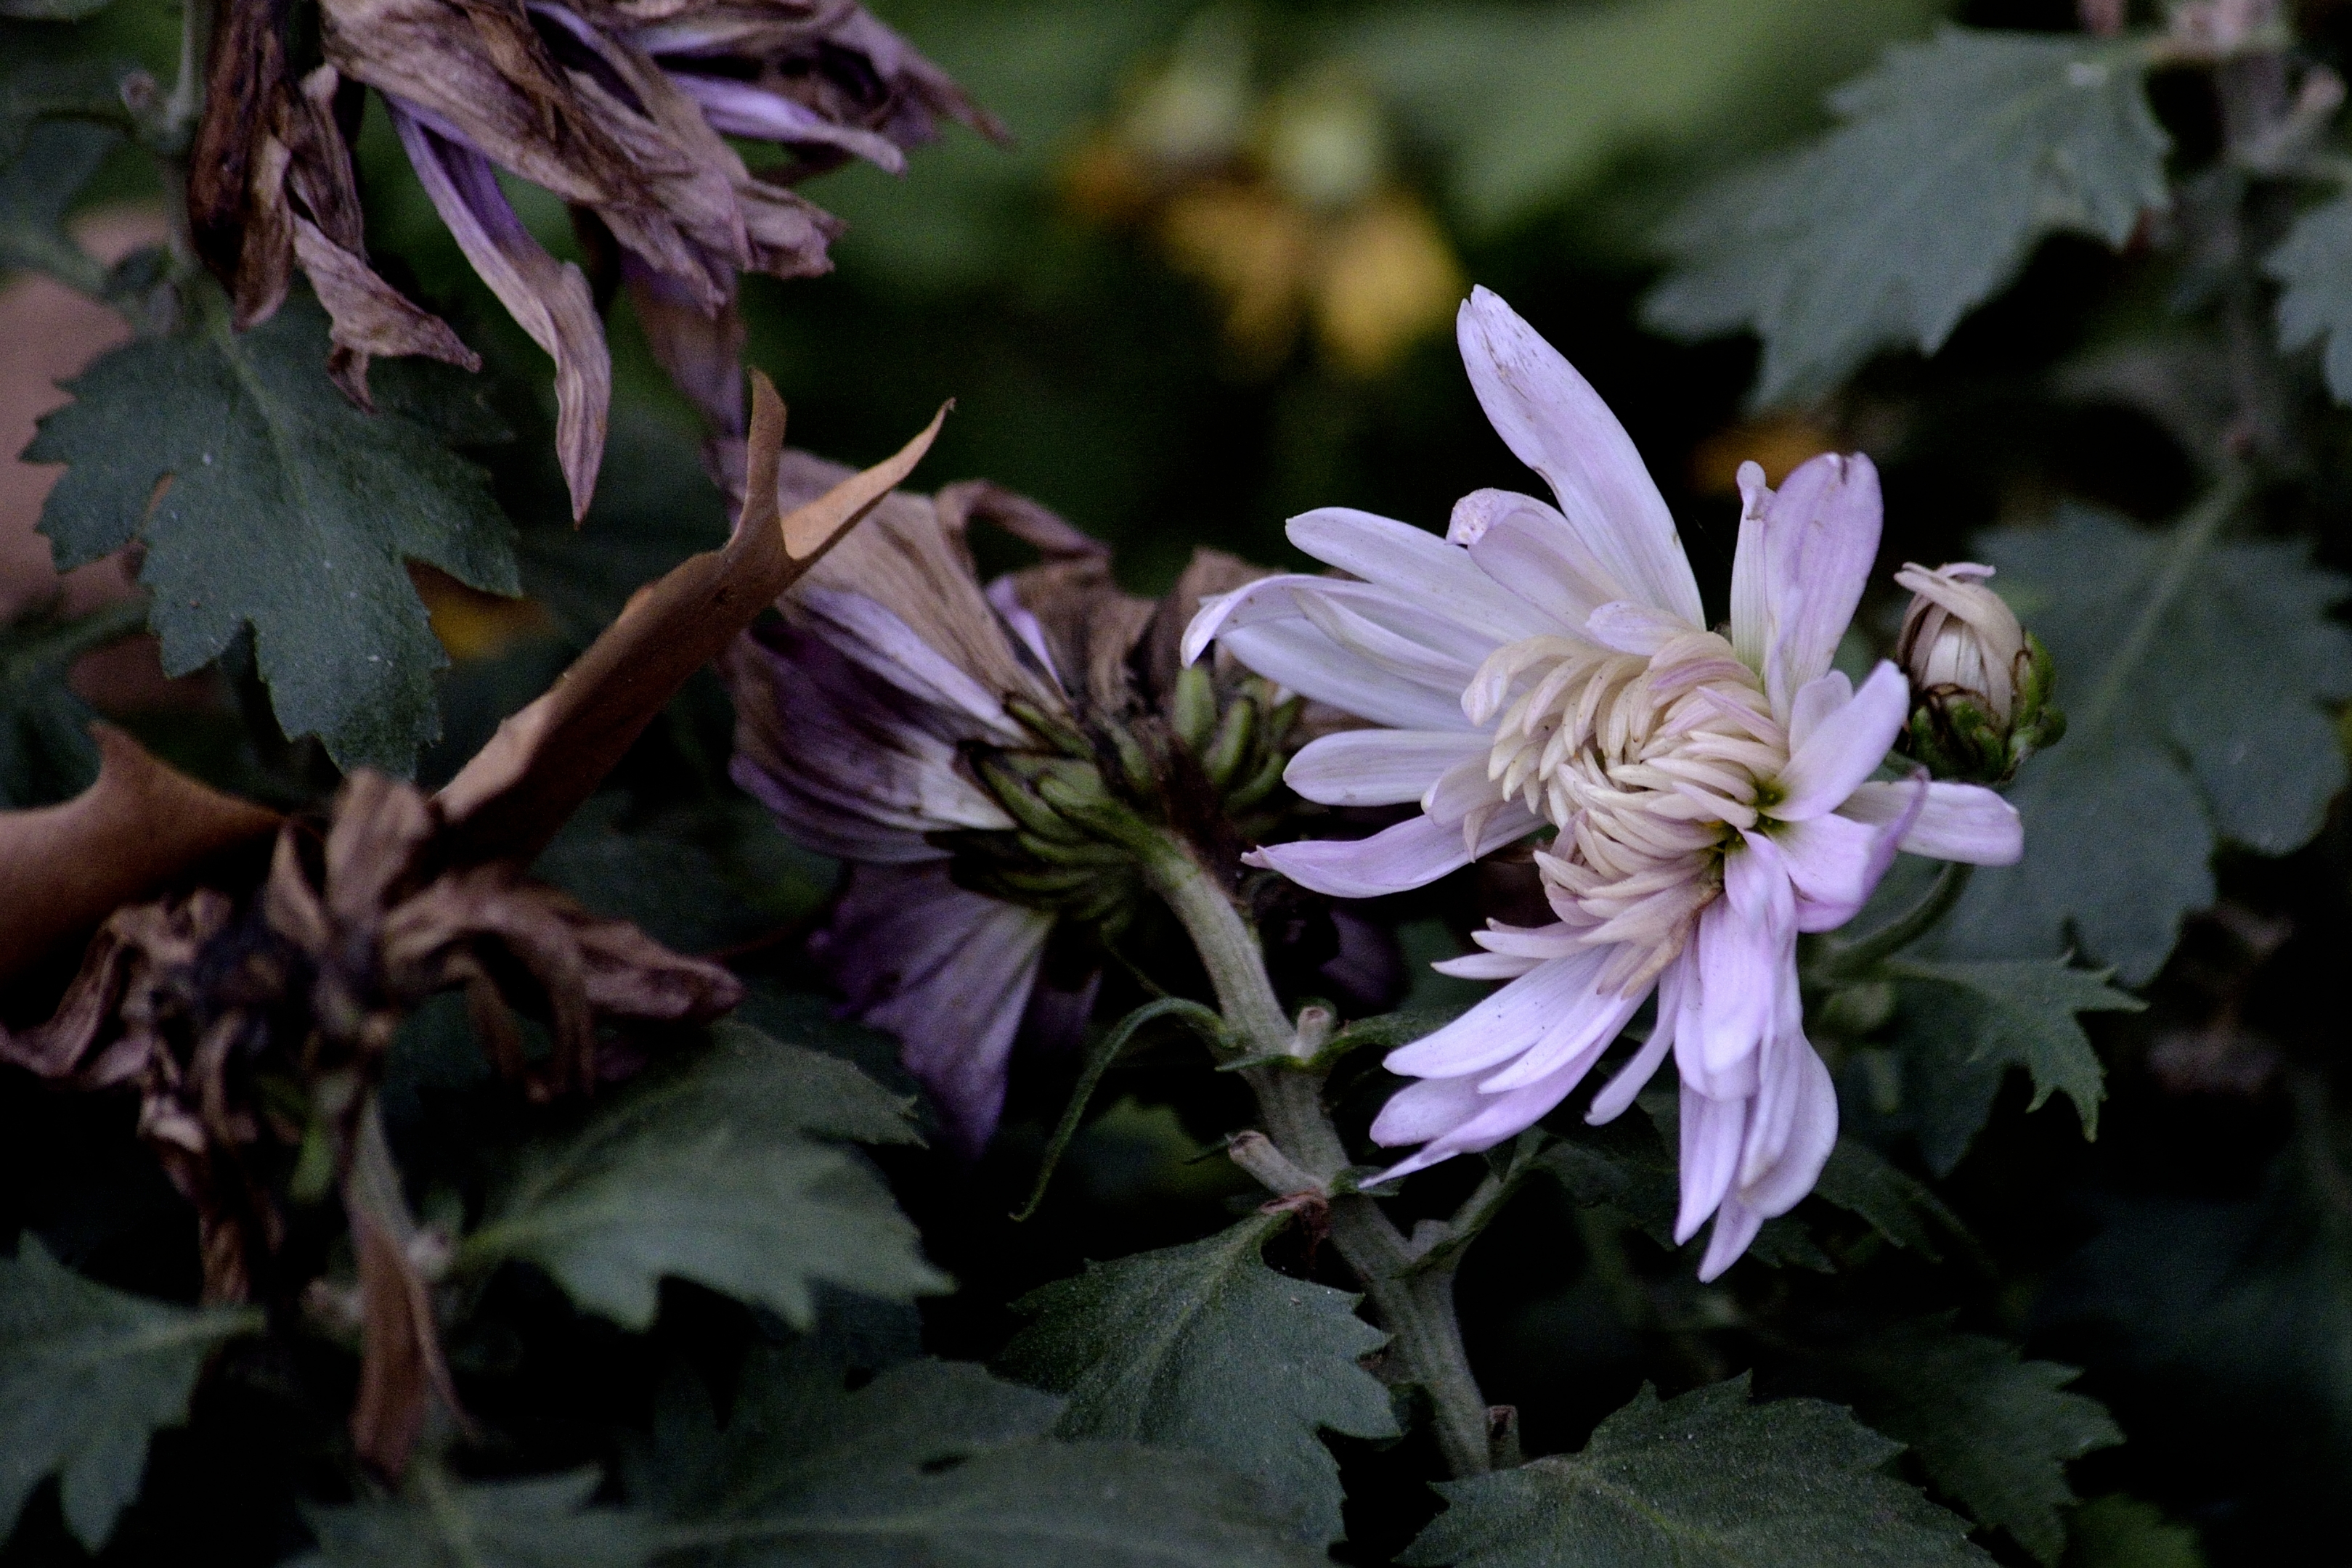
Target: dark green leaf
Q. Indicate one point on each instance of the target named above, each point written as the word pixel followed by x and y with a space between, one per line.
pixel 1994 1431
pixel 2123 1532
pixel 1858 1179
pixel 288 510
pixel 1963 1025
pixel 57 161
pixel 86 1374
pixel 1705 1480
pixel 439 1522
pixel 51 10
pixel 39 80
pixel 1955 157
pixel 45 751
pixel 2314 266
pixel 2193 676
pixel 937 1462
pixel 1204 1347
pixel 723 1172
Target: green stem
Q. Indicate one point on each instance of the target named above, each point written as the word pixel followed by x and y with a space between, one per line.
pixel 1413 1300
pixel 1855 960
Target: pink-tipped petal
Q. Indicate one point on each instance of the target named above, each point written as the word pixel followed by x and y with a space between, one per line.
pixel 1377 766
pixel 1531 551
pixel 1745 947
pixel 1821 536
pixel 1711 1131
pixel 1465 1121
pixel 1844 748
pixel 1956 821
pixel 1812 1133
pixel 1554 422
pixel 1735 1225
pixel 1295 654
pixel 1628 628
pixel 1835 864
pixel 1578 1040
pixel 1815 701
pixel 1635 1075
pixel 1413 854
pixel 1487 965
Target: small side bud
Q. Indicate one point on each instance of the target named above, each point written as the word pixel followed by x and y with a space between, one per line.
pixel 1981 683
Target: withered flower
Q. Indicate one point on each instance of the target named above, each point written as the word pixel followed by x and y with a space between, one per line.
pixel 227 1014
pixel 621 108
pixel 960 748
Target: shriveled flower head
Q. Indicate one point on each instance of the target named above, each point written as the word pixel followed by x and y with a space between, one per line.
pixel 948 742
pixel 1548 667
pixel 621 108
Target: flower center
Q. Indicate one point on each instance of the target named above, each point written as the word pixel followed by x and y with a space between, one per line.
pixel 1647 764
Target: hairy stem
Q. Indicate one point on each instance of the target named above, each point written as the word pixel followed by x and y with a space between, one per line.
pixel 1415 1304
pixel 1855 960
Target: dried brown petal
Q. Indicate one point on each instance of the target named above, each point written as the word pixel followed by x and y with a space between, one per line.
pixel 702 352
pixel 243 68
pixel 510 799
pixel 401 1366
pixel 63 868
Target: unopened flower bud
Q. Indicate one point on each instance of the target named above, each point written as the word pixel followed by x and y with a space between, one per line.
pixel 1981 683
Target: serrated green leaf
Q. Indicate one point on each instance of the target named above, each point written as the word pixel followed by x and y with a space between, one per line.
pixel 1956 157
pixel 1858 1179
pixel 86 1374
pixel 2120 1531
pixel 725 1172
pixel 1993 1430
pixel 2313 265
pixel 289 510
pixel 938 1462
pixel 1963 1025
pixel 1704 1481
pixel 437 1522
pixel 56 160
pixel 2193 674
pixel 1204 1347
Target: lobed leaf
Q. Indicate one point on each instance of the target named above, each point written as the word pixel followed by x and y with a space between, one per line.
pixel 1204 1347
pixel 1859 1180
pixel 938 1462
pixel 437 1522
pixel 1704 1481
pixel 2194 674
pixel 1993 1430
pixel 1964 1025
pixel 2313 266
pixel 86 1374
pixel 728 1171
pixel 266 500
pixel 1955 156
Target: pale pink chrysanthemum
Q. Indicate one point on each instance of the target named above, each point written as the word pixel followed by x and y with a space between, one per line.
pixel 1546 666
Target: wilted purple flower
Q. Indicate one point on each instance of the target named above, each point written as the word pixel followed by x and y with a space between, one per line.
pixel 1550 667
pixel 621 108
pixel 853 720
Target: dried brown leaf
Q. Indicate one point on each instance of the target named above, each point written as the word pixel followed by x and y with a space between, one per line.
pixel 510 799
pixel 143 825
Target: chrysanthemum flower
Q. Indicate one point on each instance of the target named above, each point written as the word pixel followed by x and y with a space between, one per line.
pixel 1547 667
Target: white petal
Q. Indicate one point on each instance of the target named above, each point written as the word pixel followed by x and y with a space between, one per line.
pixel 1958 822
pixel 1502 1025
pixel 1735 1225
pixel 1821 537
pixel 1635 1075
pixel 1844 748
pixel 1751 621
pixel 1578 1038
pixel 1377 766
pixel 1629 628
pixel 1834 862
pixel 1711 1131
pixel 1530 550
pixel 1550 417
pixel 1746 955
pixel 1413 853
pixel 1815 701
pixel 1407 658
pixel 1461 789
pixel 1812 1136
pixel 1293 653
pixel 1416 563
pixel 1485 966
pixel 1464 1120
pixel 1005 598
